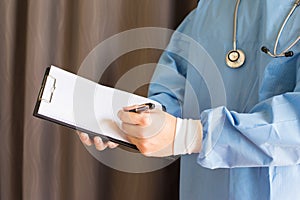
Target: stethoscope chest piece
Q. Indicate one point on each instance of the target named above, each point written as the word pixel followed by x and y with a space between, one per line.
pixel 235 58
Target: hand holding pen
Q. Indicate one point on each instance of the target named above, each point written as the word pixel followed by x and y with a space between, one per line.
pixel 152 130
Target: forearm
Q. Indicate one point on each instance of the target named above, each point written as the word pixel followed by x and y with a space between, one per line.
pixel 268 136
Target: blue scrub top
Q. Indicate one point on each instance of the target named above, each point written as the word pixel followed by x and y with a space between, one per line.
pixel 250 115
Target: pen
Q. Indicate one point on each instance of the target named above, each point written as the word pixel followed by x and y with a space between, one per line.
pixel 143 108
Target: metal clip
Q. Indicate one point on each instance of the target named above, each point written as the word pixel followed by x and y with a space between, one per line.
pixel 47 89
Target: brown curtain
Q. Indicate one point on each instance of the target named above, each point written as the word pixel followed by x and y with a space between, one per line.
pixel 41 160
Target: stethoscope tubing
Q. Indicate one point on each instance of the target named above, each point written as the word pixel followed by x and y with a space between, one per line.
pixel 235 23
pixel 297 2
pixel 286 52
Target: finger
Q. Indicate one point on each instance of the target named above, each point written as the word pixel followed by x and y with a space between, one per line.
pixel 85 139
pixel 112 145
pixel 132 130
pixel 147 148
pixel 99 144
pixel 140 144
pixel 142 119
pixel 134 140
pixel 138 131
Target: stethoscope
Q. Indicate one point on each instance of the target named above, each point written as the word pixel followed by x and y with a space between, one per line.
pixel 236 57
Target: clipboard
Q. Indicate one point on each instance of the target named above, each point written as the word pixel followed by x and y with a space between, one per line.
pixel 78 103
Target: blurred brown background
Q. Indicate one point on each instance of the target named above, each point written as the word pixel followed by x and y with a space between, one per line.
pixel 41 160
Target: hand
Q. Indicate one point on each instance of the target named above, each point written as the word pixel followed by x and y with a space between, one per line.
pixel 99 144
pixel 152 132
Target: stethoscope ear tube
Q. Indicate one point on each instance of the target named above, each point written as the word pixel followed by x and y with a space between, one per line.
pixel 286 52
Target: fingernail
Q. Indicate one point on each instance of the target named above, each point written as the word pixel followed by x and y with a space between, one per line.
pixel 97 140
pixel 83 137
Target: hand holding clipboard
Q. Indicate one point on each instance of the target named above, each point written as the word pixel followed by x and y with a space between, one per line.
pixel 78 103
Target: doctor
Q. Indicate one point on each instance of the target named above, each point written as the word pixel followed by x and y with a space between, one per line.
pixel 230 81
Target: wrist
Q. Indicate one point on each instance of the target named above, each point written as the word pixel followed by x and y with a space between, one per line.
pixel 188 136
